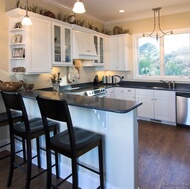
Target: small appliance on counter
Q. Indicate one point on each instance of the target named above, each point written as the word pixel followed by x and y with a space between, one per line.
pixel 96 80
pixel 115 79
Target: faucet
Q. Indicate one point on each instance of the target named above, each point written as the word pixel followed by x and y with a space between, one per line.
pixel 167 82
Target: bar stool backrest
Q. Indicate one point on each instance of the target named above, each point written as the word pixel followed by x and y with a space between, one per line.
pixel 14 101
pixel 57 110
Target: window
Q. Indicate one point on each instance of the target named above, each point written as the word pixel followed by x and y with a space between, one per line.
pixel 167 57
pixel 177 55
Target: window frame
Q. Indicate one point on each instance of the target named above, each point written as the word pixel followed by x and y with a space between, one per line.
pixel 156 78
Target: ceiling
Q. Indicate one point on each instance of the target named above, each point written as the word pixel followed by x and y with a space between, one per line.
pixel 106 11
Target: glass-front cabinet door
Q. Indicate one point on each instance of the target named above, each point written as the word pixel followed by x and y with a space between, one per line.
pixel 99 46
pixel 62 51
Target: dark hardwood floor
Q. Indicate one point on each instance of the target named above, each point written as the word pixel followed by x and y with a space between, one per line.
pixel 164 160
pixel 164 156
pixel 19 177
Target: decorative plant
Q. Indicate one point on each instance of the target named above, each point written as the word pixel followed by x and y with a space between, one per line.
pixel 35 8
pixel 41 10
pixel 59 15
pixel 80 22
pixel 106 31
pixel 70 18
pixel 90 25
pixel 119 30
pixel 17 3
pixel 56 79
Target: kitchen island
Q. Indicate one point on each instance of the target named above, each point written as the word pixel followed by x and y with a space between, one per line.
pixel 116 120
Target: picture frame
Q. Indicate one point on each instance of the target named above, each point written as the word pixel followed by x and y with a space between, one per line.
pixel 18 25
pixel 18 53
pixel 16 39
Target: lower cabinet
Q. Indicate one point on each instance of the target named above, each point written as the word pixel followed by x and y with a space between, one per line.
pixel 157 105
pixel 146 110
pixel 110 93
pixel 124 93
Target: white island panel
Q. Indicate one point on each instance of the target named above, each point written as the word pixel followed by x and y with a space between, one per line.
pixel 120 132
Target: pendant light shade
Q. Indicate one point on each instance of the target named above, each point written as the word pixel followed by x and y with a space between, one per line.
pixel 159 32
pixel 79 7
pixel 26 21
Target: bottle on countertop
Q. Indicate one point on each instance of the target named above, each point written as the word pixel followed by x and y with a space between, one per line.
pixel 102 79
pixel 106 78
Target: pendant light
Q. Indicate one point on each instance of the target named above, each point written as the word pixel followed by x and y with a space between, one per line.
pixel 26 21
pixel 79 7
pixel 160 33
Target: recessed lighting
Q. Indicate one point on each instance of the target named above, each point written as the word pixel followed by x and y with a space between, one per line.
pixel 121 11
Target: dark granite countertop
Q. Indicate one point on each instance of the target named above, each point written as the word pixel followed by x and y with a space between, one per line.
pixel 105 104
pixel 179 87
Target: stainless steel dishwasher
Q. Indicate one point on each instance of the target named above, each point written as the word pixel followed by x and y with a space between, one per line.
pixel 183 109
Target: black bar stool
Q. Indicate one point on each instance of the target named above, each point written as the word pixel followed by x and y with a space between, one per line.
pixel 17 117
pixel 72 143
pixel 28 130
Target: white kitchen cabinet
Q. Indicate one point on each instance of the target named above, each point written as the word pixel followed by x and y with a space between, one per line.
pixel 39 45
pixel 129 94
pixel 99 46
pixel 102 63
pixel 124 93
pixel 146 110
pixel 118 92
pixel 165 105
pixel 110 93
pixel 33 54
pixel 120 52
pixel 157 105
pixel 83 46
pixel 62 44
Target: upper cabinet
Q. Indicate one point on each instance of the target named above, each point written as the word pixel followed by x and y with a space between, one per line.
pixel 120 52
pixel 101 43
pixel 30 46
pixel 83 45
pixel 99 46
pixel 62 44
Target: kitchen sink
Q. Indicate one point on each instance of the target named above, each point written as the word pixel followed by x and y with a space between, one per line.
pixel 151 87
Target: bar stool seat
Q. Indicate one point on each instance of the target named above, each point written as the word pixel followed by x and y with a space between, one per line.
pixel 28 129
pixel 17 117
pixel 61 143
pixel 72 143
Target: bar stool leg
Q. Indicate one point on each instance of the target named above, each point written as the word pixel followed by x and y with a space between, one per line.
pixel 12 160
pixel 56 158
pixel 49 169
pixel 29 164
pixel 38 151
pixel 101 169
pixel 75 173
pixel 24 149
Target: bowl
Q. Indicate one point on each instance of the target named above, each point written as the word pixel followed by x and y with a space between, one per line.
pixel 28 87
pixel 10 86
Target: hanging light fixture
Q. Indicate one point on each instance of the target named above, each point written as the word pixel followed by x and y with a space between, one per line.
pixel 161 32
pixel 26 21
pixel 79 7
